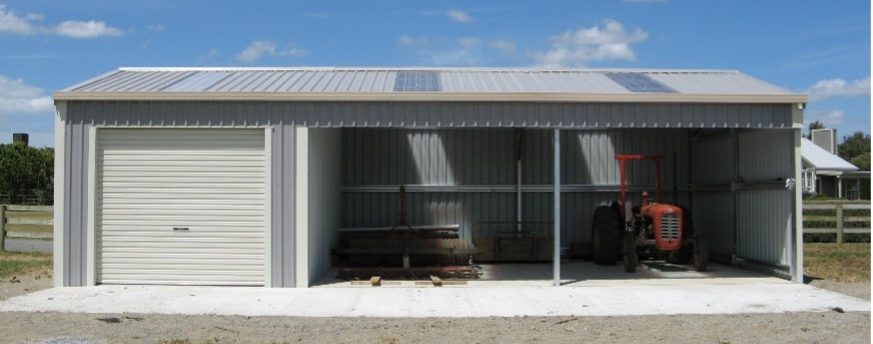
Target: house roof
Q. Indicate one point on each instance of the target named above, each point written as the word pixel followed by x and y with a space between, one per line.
pixel 823 160
pixel 430 84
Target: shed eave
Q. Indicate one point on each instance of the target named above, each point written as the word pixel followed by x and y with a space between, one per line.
pixel 436 97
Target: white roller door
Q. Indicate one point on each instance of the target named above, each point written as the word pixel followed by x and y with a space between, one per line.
pixel 181 206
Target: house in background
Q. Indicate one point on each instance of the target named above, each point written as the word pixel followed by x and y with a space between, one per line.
pixel 824 172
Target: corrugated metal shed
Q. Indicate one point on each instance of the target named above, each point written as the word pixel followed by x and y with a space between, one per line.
pixel 449 135
pixel 199 83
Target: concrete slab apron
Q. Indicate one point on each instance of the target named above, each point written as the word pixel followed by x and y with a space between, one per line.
pixel 438 302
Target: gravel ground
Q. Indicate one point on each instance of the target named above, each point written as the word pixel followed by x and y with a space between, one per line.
pixel 830 327
pixel 860 290
pixel 22 327
pixel 23 285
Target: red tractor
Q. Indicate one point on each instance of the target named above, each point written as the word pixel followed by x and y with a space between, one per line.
pixel 654 229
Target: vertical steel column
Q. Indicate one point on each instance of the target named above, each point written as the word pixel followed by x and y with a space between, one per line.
pixel 556 259
pixel 519 137
pixel 796 245
pixel 735 179
pixel 518 199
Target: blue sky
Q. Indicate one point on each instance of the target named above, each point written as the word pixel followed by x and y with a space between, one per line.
pixel 818 47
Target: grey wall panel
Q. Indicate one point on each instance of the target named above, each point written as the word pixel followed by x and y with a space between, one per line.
pixel 713 216
pixel 429 157
pixel 714 164
pixel 588 156
pixel 763 225
pixel 763 216
pixel 766 155
pixel 365 209
pixel 487 156
pixel 283 209
pixel 713 160
pixel 753 224
pixel 437 114
pixel 82 116
pixel 77 204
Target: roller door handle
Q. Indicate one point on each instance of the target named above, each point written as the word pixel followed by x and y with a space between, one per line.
pixel 180 228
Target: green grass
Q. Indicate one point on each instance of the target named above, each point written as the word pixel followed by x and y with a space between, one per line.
pixel 14 264
pixel 848 262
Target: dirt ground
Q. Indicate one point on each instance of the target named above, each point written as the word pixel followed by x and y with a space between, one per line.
pixel 20 327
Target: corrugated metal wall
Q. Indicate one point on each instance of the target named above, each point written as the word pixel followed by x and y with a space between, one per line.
pixel 82 116
pixel 763 216
pixel 377 161
pixel 741 203
pixel 714 167
pixel 596 169
pixel 437 114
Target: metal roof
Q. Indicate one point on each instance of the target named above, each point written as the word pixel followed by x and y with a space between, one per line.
pixel 821 159
pixel 429 84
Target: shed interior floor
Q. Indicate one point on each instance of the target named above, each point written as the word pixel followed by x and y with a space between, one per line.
pixel 578 273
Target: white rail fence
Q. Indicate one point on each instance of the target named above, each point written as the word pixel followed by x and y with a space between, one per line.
pixel 836 219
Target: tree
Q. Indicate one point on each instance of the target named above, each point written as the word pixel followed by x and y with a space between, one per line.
pixel 26 172
pixel 814 125
pixel 854 146
pixel 862 161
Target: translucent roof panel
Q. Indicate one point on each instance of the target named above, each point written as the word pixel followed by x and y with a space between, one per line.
pixel 417 81
pixel 639 82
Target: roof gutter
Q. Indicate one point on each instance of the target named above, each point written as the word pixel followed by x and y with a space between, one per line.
pixel 436 97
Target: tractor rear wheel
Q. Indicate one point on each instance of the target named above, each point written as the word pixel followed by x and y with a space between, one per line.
pixel 629 246
pixel 606 228
pixel 701 254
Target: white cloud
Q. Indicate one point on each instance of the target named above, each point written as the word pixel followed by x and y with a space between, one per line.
pixel 16 97
pixel 829 118
pixel 576 48
pixel 259 49
pixel 10 22
pixel 25 109
pixel 839 88
pixel 86 29
pixel 156 27
pixel 459 16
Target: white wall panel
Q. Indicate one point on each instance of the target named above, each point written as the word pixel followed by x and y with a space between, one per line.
pixel 323 198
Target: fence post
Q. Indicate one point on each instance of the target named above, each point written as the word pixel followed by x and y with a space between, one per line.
pixel 2 227
pixel 839 208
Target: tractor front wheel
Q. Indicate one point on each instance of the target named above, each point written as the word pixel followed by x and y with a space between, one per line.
pixel 629 246
pixel 701 254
